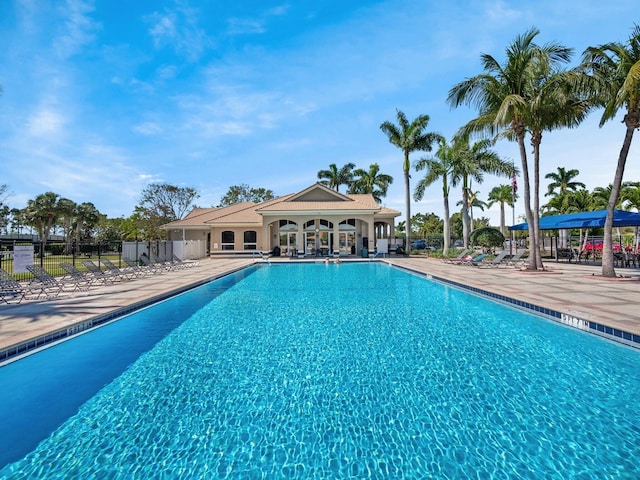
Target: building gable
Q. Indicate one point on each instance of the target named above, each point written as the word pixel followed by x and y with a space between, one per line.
pixel 319 193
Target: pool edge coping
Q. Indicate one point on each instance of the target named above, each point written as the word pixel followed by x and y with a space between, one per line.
pixel 25 348
pixel 589 326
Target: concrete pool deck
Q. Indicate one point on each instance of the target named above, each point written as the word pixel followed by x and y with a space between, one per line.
pixel 574 290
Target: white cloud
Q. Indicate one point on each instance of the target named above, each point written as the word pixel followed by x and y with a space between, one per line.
pixel 45 123
pixel 78 29
pixel 178 29
pixel 148 128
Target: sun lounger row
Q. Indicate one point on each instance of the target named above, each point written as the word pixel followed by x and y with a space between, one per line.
pixel 45 285
pixel 503 259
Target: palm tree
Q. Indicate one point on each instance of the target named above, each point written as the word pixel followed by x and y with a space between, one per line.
pixel 440 166
pixel 615 69
pixel 336 177
pixel 562 180
pixel 631 201
pixel 371 181
pixel 527 93
pixel 409 137
pixel 471 163
pixel 502 194
pixel 87 217
pixel 601 196
pixel 474 201
pixel 67 210
pixel 42 213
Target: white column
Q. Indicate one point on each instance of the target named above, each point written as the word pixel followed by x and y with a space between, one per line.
pixel 371 235
pixel 300 240
pixel 266 236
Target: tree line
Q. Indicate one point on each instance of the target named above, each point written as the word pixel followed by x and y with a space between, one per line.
pixel 531 92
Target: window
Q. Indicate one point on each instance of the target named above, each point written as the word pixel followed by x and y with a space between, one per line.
pixel 228 240
pixel 250 240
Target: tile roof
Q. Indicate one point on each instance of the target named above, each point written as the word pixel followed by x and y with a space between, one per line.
pixel 316 198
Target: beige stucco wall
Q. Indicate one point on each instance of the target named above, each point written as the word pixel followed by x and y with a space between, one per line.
pixel 216 238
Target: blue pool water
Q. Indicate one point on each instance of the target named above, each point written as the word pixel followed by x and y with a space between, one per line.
pixel 325 371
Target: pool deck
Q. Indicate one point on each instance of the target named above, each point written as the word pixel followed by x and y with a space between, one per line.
pixel 573 290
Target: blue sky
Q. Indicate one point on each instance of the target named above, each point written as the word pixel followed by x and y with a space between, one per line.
pixel 102 97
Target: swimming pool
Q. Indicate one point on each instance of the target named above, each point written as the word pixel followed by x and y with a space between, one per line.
pixel 328 371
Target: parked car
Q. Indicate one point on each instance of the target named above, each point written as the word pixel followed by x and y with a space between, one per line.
pixel 419 245
pixel 458 244
pixel 598 244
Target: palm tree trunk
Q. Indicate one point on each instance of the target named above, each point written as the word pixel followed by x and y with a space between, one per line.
pixel 447 227
pixel 502 222
pixel 537 138
pixel 407 199
pixel 465 215
pixel 607 247
pixel 533 242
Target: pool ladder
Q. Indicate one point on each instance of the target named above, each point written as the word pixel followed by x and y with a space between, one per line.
pixel 262 255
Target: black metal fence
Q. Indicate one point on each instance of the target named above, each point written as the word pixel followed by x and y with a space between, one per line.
pixel 53 253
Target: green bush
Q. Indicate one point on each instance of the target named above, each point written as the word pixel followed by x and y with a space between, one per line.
pixel 487 237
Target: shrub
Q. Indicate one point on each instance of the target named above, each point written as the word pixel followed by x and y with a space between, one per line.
pixel 487 237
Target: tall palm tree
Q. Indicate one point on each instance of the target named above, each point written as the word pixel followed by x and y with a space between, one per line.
pixel 440 166
pixel 337 176
pixel 503 195
pixel 562 180
pixel 615 68
pixel 474 201
pixel 371 181
pixel 409 137
pixel 527 93
pixel 471 163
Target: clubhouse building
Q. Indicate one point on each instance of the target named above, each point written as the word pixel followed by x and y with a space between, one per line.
pixel 316 221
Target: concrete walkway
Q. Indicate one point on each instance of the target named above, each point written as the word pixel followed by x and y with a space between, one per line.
pixel 35 318
pixel 575 290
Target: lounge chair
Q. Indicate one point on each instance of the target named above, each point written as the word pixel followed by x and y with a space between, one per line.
pixel 50 285
pixel 500 259
pixel 516 259
pixel 137 269
pixel 168 265
pixel 100 275
pixel 475 261
pixel 153 266
pixel 124 273
pixel 12 291
pixel 184 263
pixel 84 280
pixel 460 256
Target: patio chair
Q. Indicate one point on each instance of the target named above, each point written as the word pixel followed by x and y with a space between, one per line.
pixel 50 285
pixel 84 280
pixel 168 265
pixel 153 266
pixel 459 258
pixel 124 273
pixel 106 277
pixel 12 291
pixel 137 269
pixel 184 263
pixel 475 261
pixel 516 259
pixel 500 259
